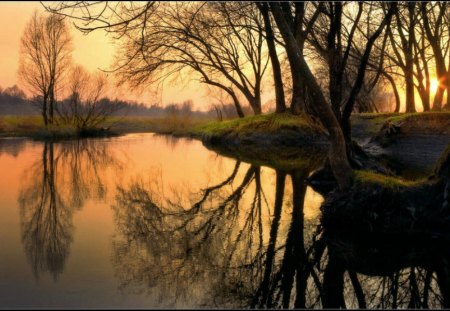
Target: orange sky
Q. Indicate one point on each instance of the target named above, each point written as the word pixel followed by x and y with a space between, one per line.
pixel 92 51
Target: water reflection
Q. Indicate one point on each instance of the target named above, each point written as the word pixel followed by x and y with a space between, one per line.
pixel 407 270
pixel 221 233
pixel 12 146
pixel 224 246
pixel 53 189
pixel 232 245
pixel 165 243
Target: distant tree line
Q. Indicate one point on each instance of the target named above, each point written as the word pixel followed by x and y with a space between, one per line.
pixel 13 101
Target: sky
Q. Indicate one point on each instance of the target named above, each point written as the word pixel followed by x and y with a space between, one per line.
pixel 92 51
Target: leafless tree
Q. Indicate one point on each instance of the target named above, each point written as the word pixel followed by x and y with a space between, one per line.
pixel 45 53
pixel 85 108
pixel 436 26
pixel 337 153
pixel 402 40
pixel 276 66
pixel 221 42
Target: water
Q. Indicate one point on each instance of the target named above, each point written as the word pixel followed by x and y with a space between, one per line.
pixel 145 221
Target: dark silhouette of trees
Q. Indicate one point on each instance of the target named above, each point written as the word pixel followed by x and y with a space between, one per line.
pixel 337 153
pixel 276 67
pixel 435 24
pixel 214 40
pixel 402 39
pixel 45 53
pixel 86 108
pixel 13 101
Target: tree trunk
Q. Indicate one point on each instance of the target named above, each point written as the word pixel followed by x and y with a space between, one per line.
pixel 237 105
pixel 424 97
pixel 409 79
pixel 438 57
pixel 276 68
pixel 337 152
pixel 409 61
pixel 255 103
pixel 335 60
pixel 44 109
pixel 335 90
pixel 448 84
pixel 298 91
pixel 51 95
pixel 438 97
pixel 394 88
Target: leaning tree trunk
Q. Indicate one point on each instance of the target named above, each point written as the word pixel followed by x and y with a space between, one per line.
pixel 298 91
pixel 237 105
pixel 337 151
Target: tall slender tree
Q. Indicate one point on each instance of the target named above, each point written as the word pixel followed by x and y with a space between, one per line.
pixel 45 53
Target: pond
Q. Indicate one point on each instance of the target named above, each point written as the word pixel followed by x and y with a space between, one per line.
pixel 147 221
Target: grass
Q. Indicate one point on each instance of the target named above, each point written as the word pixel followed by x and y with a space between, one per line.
pixel 267 123
pixel 20 125
pixel 285 123
pixel 363 177
pixel 175 125
pixel 33 126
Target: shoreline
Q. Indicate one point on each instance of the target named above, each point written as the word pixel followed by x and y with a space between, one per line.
pixel 282 140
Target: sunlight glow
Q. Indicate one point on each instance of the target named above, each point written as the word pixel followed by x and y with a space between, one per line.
pixel 434 85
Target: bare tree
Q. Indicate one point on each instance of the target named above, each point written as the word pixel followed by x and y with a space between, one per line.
pixel 345 46
pixel 435 25
pixel 45 53
pixel 422 72
pixel 402 41
pixel 222 43
pixel 85 107
pixel 276 67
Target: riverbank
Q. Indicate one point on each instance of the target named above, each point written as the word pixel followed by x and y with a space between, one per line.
pixel 400 141
pixel 34 128
pixel 408 144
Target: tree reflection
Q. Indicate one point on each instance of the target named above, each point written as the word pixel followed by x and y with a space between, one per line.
pixel 57 185
pixel 228 246
pixel 225 241
pixel 390 271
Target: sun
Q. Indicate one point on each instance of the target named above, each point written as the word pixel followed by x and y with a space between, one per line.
pixel 434 85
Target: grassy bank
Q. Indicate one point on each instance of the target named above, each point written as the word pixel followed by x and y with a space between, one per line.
pixel 268 124
pixel 33 127
pixel 285 124
pixel 179 126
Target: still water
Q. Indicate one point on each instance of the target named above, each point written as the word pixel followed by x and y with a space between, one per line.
pixel 146 221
